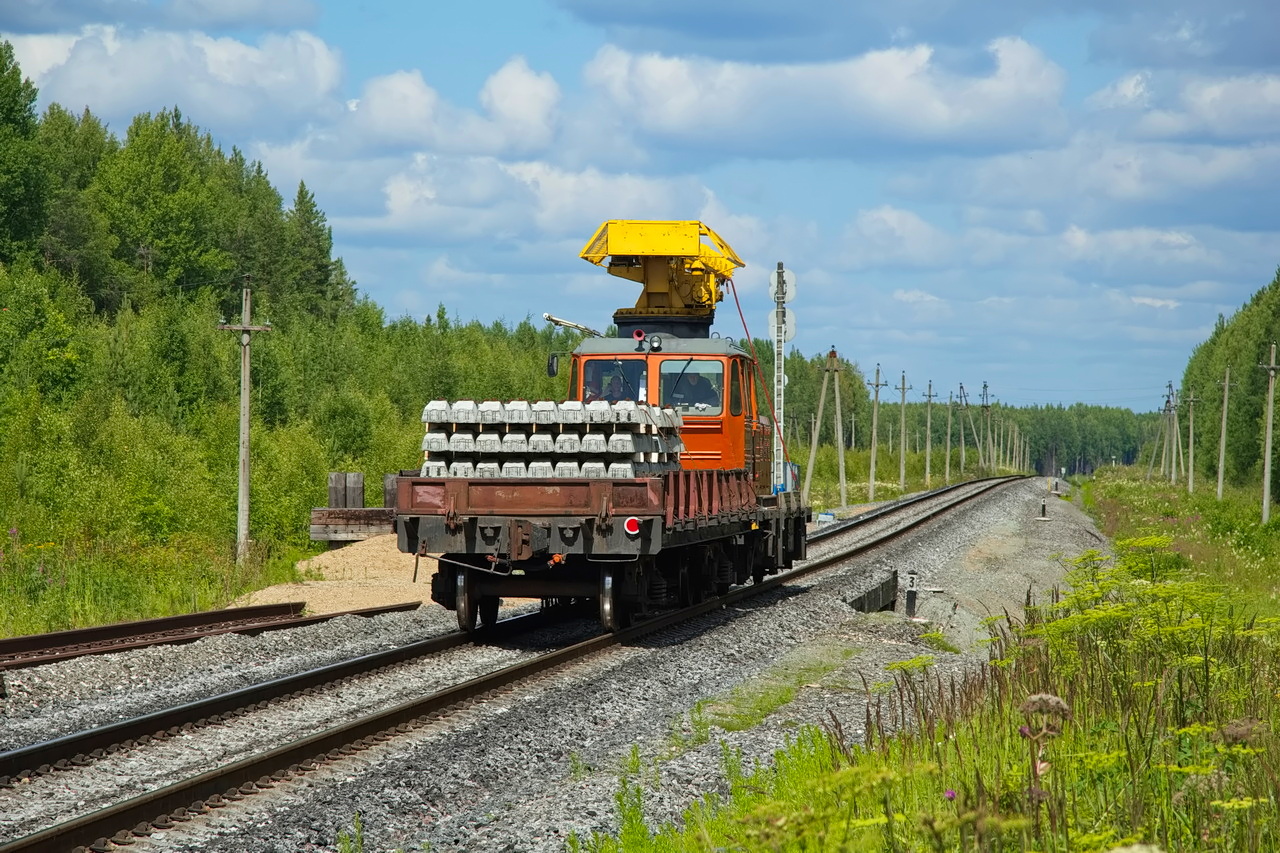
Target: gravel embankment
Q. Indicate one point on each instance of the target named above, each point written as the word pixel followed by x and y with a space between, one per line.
pixel 521 774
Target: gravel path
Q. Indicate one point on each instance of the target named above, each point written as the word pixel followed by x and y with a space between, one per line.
pixel 521 774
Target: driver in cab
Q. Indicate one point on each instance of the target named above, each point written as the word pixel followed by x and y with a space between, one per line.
pixel 694 390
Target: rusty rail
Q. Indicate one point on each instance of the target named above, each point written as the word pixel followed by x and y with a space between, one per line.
pixel 36 649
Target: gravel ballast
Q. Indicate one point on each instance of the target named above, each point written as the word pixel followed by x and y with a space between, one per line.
pixel 522 773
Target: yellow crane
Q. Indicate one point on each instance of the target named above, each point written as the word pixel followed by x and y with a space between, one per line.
pixel 682 266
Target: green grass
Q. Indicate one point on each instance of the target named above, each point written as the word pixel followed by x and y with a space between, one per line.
pixel 49 586
pixel 1141 707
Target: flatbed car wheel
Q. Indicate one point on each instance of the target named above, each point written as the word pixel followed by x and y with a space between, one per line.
pixel 614 612
pixel 489 610
pixel 466 605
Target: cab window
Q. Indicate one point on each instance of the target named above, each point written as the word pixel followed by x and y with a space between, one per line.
pixel 735 389
pixel 693 386
pixel 613 379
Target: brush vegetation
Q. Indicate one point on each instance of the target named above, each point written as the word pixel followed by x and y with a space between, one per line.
pixel 1139 708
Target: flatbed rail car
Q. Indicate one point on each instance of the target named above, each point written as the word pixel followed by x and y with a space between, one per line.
pixel 634 545
pixel 649 487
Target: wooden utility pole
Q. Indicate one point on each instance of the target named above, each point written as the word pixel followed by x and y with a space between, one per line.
pixel 964 407
pixel 902 435
pixel 245 328
pixel 1222 437
pixel 928 432
pixel 1266 452
pixel 1191 442
pixel 875 434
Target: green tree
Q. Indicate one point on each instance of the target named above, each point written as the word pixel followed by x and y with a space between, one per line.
pixel 77 240
pixel 23 178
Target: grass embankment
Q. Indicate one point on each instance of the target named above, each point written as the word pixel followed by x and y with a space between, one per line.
pixel 1140 707
pixel 47 586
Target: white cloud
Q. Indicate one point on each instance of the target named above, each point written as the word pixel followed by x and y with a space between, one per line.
pixel 1230 107
pixel 889 236
pixel 1149 245
pixel 914 296
pixel 225 82
pixel 896 93
pixel 401 110
pixel 1155 303
pixel 1131 90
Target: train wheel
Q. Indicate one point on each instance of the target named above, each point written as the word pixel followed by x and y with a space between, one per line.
pixel 722 587
pixel 614 612
pixel 488 610
pixel 466 604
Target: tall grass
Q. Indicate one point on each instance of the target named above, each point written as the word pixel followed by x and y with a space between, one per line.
pixel 49 586
pixel 1224 541
pixel 1141 707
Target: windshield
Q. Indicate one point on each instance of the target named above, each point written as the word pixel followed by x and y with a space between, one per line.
pixel 692 386
pixel 613 379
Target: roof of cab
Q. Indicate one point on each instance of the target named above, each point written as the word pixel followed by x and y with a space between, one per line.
pixel 670 346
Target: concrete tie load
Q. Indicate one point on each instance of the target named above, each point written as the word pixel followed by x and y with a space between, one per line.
pixel 544 438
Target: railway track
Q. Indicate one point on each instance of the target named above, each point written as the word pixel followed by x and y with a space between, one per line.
pixel 122 822
pixel 39 649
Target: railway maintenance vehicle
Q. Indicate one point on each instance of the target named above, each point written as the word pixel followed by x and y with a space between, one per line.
pixel 649 487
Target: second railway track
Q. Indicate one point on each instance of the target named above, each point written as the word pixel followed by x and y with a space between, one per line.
pixel 270 766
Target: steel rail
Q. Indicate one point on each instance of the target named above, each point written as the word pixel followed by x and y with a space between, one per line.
pixel 38 649
pixel 302 756
pixel 78 749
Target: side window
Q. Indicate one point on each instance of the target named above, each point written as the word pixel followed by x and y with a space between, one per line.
pixel 573 382
pixel 735 389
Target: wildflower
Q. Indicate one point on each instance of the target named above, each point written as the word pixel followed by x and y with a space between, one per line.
pixel 1045 703
pixel 1025 731
pixel 950 794
pixel 1242 731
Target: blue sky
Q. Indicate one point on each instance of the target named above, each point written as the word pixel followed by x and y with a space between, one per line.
pixel 1057 198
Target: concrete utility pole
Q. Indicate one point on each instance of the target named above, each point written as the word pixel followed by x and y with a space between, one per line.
pixel 833 367
pixel 245 328
pixel 947 467
pixel 1266 452
pixel 928 432
pixel 973 432
pixel 902 435
pixel 875 434
pixel 964 407
pixel 1191 442
pixel 989 467
pixel 817 428
pixel 1222 437
pixel 1164 448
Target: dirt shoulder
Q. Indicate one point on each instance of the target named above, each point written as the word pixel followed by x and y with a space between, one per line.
pixel 372 573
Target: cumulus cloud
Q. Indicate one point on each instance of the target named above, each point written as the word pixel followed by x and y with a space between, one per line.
pixel 891 236
pixel 227 83
pixel 902 94
pixel 401 110
pixel 456 198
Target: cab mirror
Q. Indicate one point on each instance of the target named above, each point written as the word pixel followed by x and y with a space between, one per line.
pixel 553 364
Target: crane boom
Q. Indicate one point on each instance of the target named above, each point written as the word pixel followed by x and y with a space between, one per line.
pixel 681 265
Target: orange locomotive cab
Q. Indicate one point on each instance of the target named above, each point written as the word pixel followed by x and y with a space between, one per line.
pixel 709 381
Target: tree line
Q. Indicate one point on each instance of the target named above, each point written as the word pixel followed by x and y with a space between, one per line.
pixel 1240 345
